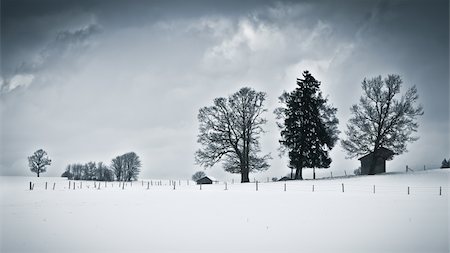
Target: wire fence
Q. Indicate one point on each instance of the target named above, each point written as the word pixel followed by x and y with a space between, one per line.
pixel 287 186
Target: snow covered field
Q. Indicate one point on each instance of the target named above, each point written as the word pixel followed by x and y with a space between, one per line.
pixel 239 219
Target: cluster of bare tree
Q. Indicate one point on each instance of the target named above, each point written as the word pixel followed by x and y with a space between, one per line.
pixel 125 167
pixel 89 171
pixel 230 129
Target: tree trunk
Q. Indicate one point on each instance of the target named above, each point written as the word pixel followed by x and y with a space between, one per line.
pixel 298 173
pixel 38 173
pixel 244 177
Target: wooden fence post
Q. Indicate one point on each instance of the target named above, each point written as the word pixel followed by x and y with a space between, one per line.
pixel 200 187
pixel 174 183
pixel 331 174
pixel 69 185
pixel 345 172
pixel 123 185
pixel 46 185
pixel 31 188
pixel 312 188
pixel 226 187
pixel 284 186
pixel 148 185
pixel 408 190
pixel 54 184
pixel 440 190
pixel 342 187
pixel 81 185
pixel 373 189
pixel 256 185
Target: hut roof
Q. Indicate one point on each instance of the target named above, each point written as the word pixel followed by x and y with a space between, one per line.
pixel 210 178
pixel 380 152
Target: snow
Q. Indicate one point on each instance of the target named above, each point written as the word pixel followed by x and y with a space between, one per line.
pixel 239 219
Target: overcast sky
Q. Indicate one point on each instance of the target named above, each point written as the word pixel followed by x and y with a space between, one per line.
pixel 90 80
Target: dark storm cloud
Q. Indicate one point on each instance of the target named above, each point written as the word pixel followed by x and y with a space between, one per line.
pixel 65 43
pixel 110 77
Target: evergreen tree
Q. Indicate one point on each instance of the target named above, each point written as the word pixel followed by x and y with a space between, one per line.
pixel 445 163
pixel 308 127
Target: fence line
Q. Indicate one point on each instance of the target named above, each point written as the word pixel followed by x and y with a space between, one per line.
pixel 344 188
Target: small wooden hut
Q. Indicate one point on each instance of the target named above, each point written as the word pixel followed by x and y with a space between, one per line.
pixel 379 157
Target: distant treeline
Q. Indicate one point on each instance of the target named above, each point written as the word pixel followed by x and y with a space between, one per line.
pixel 125 167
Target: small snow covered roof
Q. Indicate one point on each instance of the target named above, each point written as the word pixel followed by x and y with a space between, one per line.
pixel 211 178
pixel 380 152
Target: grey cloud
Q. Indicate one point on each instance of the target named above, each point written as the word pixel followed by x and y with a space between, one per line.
pixel 64 45
pixel 138 84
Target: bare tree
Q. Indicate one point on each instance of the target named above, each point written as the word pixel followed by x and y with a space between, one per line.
pixel 75 171
pixel 381 119
pixel 132 166
pixel 103 173
pixel 38 161
pixel 117 165
pixel 89 170
pixel 126 167
pixel 230 131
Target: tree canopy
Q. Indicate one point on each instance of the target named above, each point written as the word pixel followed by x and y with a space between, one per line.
pixel 382 118
pixel 197 175
pixel 230 130
pixel 39 161
pixel 126 167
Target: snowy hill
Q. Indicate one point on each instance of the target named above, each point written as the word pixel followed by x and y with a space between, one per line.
pixel 148 217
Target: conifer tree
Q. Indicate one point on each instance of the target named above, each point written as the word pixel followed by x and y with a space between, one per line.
pixel 308 126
